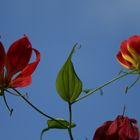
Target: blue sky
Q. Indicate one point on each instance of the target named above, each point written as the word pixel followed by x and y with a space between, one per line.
pixel 53 27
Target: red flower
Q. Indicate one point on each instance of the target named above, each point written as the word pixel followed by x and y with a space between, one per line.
pixel 122 128
pixel 15 70
pixel 129 54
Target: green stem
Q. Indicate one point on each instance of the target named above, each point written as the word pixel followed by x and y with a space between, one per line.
pixel 38 110
pixel 105 84
pixel 70 121
pixel 5 101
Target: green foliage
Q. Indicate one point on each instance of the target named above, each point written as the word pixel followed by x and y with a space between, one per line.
pixel 68 84
pixel 59 124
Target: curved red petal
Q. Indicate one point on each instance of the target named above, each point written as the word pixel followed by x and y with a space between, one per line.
pixel 30 68
pixel 2 56
pixel 21 82
pixel 124 49
pixel 100 133
pixel 2 63
pixel 18 56
pixel 112 128
pixel 129 130
pixel 123 61
pixel 26 73
pixel 134 42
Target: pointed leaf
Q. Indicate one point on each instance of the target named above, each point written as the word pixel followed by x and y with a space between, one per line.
pixel 61 124
pixel 68 84
pixel 86 90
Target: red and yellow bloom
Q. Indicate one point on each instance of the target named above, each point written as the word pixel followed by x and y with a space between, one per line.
pixel 129 54
pixel 15 69
pixel 122 128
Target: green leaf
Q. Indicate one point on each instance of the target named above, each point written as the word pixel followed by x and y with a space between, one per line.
pixel 87 90
pixel 68 84
pixel 59 124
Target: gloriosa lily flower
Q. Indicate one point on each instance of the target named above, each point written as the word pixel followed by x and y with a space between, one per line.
pixel 15 69
pixel 129 54
pixel 122 128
